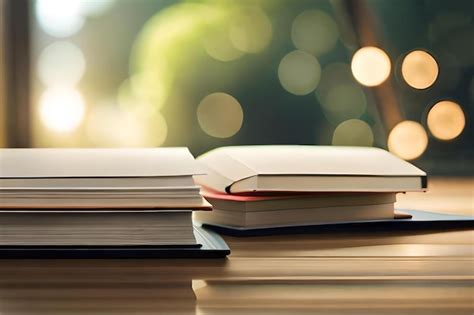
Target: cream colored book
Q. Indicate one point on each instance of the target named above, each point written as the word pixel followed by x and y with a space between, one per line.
pixel 294 217
pixel 96 228
pixel 115 203
pixel 284 202
pixel 294 168
pixel 102 198
pixel 96 163
pixel 155 178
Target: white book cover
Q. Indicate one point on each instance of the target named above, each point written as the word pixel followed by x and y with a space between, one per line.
pixel 97 163
pixel 251 169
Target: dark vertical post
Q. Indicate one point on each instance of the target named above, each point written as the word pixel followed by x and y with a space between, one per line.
pixel 17 72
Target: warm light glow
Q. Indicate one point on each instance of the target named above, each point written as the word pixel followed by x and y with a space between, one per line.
pixel 370 66
pixel 61 109
pixel 59 18
pixel 250 30
pixel 315 32
pixel 218 45
pixel 446 120
pixel 353 132
pixel 161 53
pixel 419 69
pixel 220 115
pixel 299 72
pixel 61 64
pixel 109 125
pixel 408 140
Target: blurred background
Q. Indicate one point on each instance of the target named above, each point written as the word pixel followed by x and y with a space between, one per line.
pixel 207 73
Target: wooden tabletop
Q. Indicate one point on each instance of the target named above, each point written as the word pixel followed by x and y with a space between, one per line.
pixel 422 272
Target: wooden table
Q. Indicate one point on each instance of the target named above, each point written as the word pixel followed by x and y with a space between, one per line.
pixel 423 272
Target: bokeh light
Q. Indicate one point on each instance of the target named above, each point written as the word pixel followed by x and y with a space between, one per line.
pixel 61 64
pixel 408 140
pixel 299 72
pixel 353 132
pixel 370 66
pixel 250 30
pixel 61 109
pixel 109 125
pixel 220 115
pixel 161 54
pixel 59 18
pixel 218 45
pixel 446 120
pixel 419 69
pixel 315 32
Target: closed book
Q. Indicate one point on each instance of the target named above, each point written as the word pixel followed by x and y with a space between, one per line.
pixel 150 178
pixel 298 169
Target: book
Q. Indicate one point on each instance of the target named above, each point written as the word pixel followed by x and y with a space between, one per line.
pixel 278 186
pixel 298 216
pixel 97 228
pixel 99 178
pixel 261 211
pixel 305 201
pixel 76 202
pixel 296 169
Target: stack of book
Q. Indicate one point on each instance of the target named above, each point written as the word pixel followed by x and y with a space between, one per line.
pixel 274 186
pixel 98 198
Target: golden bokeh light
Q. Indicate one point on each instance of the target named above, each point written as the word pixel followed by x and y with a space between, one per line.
pixel 61 109
pixel 220 115
pixel 370 66
pixel 299 72
pixel 250 30
pixel 353 132
pixel 408 140
pixel 446 120
pixel 419 69
pixel 315 32
pixel 61 64
pixel 218 45
pixel 109 125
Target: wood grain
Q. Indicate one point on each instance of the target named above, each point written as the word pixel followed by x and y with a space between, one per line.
pixel 422 272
